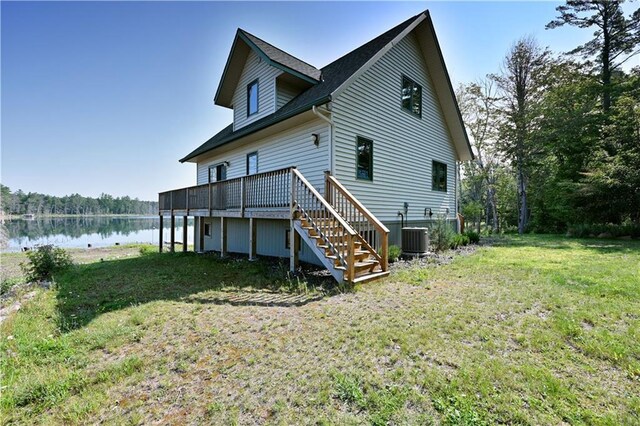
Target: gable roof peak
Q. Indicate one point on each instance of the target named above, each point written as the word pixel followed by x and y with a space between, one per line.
pixel 279 57
pixel 337 75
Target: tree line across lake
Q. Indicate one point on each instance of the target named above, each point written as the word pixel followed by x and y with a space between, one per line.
pixel 20 203
pixel 77 226
pixel 557 136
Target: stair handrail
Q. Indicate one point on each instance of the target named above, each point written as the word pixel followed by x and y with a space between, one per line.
pixel 331 181
pixel 358 204
pixel 325 203
pixel 352 235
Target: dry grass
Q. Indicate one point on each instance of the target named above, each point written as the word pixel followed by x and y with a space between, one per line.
pixel 536 330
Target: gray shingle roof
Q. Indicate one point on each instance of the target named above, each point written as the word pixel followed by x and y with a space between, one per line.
pixel 333 75
pixel 283 58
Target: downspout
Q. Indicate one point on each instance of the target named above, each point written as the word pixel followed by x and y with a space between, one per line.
pixel 457 195
pixel 317 112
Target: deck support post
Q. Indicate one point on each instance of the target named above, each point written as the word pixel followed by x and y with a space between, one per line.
pixel 293 249
pixel 252 238
pixel 160 229
pixel 184 233
pixel 293 254
pixel 173 233
pixel 223 237
pixel 201 236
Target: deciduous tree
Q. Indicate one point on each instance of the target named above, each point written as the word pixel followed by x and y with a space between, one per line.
pixel 521 85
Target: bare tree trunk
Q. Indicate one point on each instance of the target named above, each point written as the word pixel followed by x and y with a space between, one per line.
pixel 487 210
pixel 492 202
pixel 522 204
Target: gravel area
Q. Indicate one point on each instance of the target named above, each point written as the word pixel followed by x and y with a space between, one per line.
pixel 434 259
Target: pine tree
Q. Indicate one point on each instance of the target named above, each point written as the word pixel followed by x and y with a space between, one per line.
pixel 614 39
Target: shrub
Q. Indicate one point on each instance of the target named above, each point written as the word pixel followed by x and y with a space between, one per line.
pixel 441 234
pixel 147 249
pixel 510 229
pixel 459 240
pixel 6 284
pixel 44 261
pixel 394 253
pixel 474 237
pixel 593 230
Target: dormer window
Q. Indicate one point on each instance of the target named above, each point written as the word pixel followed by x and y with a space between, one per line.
pixel 252 98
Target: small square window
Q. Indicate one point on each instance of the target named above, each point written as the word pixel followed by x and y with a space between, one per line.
pixel 364 158
pixel 411 96
pixel 207 229
pixel 287 241
pixel 252 163
pixel 439 176
pixel 252 98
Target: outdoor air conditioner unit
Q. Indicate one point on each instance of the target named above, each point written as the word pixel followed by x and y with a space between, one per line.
pixel 415 241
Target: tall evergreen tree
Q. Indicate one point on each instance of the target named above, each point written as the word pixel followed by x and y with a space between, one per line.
pixel 614 39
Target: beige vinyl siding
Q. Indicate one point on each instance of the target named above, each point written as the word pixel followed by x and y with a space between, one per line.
pixel 284 93
pixel 292 147
pixel 404 145
pixel 266 75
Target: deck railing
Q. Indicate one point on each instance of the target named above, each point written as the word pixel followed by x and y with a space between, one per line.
pixel 268 189
pixel 263 190
pixel 340 222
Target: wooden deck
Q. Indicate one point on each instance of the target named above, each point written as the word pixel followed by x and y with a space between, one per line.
pixel 350 241
pixel 261 196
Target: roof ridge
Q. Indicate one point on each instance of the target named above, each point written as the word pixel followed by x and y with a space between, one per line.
pixel 333 75
pixel 375 39
pixel 276 47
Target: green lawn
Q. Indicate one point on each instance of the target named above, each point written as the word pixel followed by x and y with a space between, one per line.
pixel 534 330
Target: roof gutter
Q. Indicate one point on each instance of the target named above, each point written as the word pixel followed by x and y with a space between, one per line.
pixel 242 133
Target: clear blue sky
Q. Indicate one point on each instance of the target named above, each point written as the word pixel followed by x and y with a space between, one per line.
pixel 106 97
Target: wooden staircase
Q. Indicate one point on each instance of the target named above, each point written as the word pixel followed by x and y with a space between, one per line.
pixel 351 243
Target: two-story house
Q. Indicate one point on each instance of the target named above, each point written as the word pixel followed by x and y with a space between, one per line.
pixel 324 165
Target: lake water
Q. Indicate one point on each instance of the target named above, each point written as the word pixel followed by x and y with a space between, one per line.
pixel 78 232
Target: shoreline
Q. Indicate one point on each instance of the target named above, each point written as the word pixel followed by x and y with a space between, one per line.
pixel 54 216
pixel 10 264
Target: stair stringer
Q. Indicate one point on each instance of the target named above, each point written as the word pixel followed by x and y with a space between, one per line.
pixel 328 263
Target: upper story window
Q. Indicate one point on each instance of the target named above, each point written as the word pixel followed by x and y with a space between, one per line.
pixel 252 163
pixel 411 96
pixel 438 176
pixel 364 158
pixel 252 98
